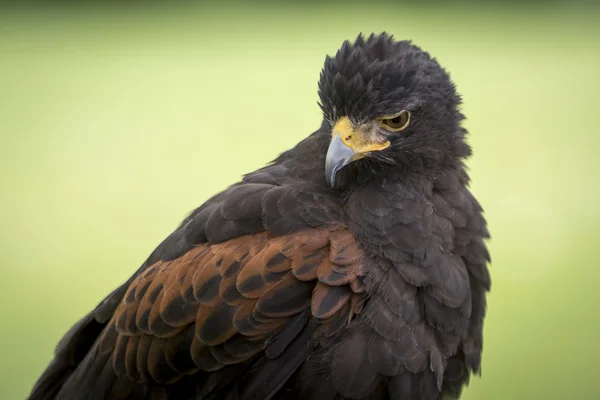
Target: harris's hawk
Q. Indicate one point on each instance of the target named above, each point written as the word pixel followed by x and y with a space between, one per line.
pixel 351 267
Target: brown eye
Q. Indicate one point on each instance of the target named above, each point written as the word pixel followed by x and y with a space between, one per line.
pixel 397 123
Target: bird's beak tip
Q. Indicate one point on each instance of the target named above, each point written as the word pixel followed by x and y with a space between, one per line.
pixel 338 156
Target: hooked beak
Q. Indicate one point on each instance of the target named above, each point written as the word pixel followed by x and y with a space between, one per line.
pixel 338 156
pixel 347 145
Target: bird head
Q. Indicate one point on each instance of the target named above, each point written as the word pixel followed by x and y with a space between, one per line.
pixel 388 106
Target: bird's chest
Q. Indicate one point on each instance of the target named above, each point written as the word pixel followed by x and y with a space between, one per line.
pixel 408 238
pixel 416 304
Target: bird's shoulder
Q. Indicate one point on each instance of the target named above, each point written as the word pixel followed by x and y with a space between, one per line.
pixel 272 199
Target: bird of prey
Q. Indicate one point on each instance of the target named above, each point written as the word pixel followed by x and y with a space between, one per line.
pixel 353 266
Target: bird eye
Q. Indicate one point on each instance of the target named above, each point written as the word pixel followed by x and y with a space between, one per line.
pixel 397 123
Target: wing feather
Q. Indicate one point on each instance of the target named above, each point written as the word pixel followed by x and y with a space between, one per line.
pixel 250 299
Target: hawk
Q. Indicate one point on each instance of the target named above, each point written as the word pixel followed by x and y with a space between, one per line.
pixel 353 266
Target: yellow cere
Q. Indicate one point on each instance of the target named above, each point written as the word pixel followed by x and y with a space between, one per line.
pixel 358 139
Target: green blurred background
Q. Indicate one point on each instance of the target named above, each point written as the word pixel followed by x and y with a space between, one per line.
pixel 116 121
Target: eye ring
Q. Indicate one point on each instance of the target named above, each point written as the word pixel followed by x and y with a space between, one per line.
pixel 396 122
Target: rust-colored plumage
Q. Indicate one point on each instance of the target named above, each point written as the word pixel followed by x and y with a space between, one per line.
pixel 333 273
pixel 222 304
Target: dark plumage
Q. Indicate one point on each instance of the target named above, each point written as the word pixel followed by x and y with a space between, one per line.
pixel 351 267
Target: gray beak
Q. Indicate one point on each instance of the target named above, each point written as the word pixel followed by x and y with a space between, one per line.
pixel 338 156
